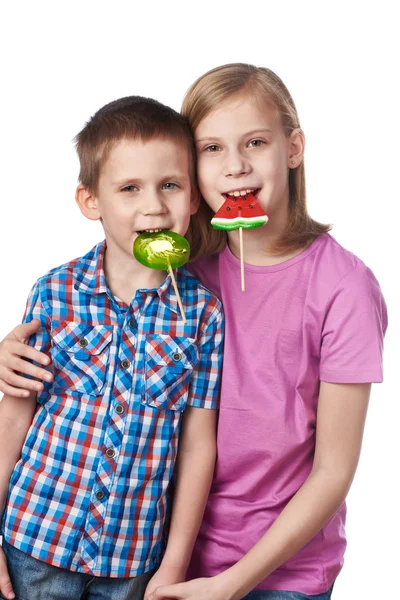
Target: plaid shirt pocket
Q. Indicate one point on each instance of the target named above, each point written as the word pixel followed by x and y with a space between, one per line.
pixel 168 370
pixel 80 355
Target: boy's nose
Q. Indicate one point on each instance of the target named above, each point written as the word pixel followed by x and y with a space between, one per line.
pixel 153 205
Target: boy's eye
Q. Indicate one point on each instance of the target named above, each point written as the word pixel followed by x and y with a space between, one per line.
pixel 255 143
pixel 170 186
pixel 212 148
pixel 129 188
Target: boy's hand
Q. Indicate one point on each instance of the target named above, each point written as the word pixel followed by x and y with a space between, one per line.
pixel 12 348
pixel 5 584
pixel 164 576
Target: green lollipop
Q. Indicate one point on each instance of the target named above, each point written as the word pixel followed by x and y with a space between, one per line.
pixel 163 250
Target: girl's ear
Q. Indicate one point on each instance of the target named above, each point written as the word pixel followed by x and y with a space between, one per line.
pixel 296 146
pixel 87 203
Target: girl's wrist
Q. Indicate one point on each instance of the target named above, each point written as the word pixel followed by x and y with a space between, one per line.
pixel 226 586
pixel 236 582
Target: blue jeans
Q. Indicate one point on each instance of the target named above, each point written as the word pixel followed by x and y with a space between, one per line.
pixel 283 595
pixel 36 580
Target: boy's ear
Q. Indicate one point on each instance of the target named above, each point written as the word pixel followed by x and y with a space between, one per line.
pixel 195 201
pixel 87 203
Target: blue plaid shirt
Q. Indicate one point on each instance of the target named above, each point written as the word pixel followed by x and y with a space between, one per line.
pixel 90 491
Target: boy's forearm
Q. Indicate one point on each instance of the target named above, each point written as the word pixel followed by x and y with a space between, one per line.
pixel 194 472
pixel 193 481
pixel 15 419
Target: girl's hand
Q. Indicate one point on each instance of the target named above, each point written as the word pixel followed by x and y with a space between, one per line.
pixel 12 349
pixel 163 577
pixel 209 588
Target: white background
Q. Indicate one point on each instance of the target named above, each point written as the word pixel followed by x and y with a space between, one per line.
pixel 61 61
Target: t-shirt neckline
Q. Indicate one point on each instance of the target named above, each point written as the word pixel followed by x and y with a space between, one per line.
pixel 286 264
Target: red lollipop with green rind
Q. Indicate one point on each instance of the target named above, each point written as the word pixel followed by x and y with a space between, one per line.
pixel 239 212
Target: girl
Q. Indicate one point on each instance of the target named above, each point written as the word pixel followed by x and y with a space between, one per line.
pixel 303 344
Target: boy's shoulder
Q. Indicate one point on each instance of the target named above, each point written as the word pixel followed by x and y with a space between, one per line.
pixel 207 271
pixel 70 270
pixel 196 292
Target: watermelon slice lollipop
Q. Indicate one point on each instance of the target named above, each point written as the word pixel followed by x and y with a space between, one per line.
pixel 239 212
pixel 163 250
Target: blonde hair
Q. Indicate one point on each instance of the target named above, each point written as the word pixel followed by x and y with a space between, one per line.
pixel 204 96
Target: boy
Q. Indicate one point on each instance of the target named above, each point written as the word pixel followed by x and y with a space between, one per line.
pixel 87 501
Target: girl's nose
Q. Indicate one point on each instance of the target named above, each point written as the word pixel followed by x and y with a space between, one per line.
pixel 236 165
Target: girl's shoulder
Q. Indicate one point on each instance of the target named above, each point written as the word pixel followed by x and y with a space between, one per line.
pixel 333 255
pixel 346 286
pixel 333 264
pixel 353 316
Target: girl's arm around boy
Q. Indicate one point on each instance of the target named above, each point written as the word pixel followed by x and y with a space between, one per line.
pixel 13 350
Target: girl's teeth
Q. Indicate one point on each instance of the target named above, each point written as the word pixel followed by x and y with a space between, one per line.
pixel 241 193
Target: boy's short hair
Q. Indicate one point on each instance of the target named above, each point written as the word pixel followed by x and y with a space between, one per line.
pixel 130 118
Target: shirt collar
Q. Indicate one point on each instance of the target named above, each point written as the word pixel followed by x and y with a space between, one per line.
pixel 167 294
pixel 91 279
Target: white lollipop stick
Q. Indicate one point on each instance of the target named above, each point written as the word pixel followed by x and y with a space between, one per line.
pixel 241 258
pixel 170 271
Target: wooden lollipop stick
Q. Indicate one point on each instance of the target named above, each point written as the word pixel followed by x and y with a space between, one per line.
pixel 170 271
pixel 241 257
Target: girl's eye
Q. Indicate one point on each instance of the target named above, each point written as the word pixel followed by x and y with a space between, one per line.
pixel 129 188
pixel 255 143
pixel 170 186
pixel 212 148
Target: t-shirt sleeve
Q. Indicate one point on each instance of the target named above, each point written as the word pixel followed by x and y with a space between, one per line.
pixel 205 382
pixel 353 330
pixel 35 310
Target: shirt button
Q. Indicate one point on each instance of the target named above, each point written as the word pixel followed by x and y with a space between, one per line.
pixel 177 356
pixel 99 494
pixel 125 364
pixel 119 409
pixel 132 323
pixel 110 452
pixel 83 342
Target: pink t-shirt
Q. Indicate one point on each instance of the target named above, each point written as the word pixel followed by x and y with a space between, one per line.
pixel 318 316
